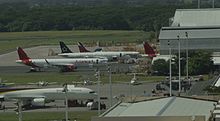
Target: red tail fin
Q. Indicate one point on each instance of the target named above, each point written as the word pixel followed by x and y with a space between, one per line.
pixel 22 55
pixel 149 50
pixel 82 48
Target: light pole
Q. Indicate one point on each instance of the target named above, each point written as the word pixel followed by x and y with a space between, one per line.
pixel 98 86
pixel 170 68
pixel 213 3
pixel 110 84
pixel 19 104
pixel 198 4
pixel 187 57
pixel 178 37
pixel 130 86
pixel 65 90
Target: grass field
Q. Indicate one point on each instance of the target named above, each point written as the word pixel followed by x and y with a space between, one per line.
pixel 10 40
pixel 72 77
pixel 48 116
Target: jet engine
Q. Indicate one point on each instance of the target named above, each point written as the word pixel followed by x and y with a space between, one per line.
pixel 38 102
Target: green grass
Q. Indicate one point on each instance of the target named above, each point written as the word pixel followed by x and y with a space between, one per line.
pixel 70 77
pixel 48 116
pixel 10 40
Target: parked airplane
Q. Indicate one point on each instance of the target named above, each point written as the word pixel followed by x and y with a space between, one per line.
pixel 65 49
pixel 83 49
pixel 110 55
pixel 39 97
pixel 63 64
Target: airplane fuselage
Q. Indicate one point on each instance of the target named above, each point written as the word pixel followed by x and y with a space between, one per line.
pixel 41 63
pixel 108 55
pixel 51 94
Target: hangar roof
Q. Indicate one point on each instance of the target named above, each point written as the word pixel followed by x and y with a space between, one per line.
pixel 196 17
pixel 193 32
pixel 202 26
pixel 170 106
pixel 198 38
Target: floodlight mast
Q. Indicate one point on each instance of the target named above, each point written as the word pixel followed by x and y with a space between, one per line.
pixel 187 57
pixel 65 90
pixel 110 84
pixel 170 68
pixel 178 37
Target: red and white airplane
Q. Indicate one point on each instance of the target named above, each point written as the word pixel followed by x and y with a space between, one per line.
pixel 63 64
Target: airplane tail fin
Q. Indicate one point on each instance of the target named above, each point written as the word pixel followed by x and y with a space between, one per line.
pixel 82 48
pixel 22 55
pixel 64 48
pixel 149 50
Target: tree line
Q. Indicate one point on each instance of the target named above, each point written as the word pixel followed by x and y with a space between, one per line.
pixel 200 62
pixel 22 17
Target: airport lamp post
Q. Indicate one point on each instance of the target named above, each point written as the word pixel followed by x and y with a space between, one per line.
pixel 19 110
pixel 187 57
pixel 65 90
pixel 170 68
pixel 110 84
pixel 178 37
pixel 213 3
pixel 98 85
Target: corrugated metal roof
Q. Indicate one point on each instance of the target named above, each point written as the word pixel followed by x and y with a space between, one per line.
pixel 170 106
pixel 198 38
pixel 206 33
pixel 196 17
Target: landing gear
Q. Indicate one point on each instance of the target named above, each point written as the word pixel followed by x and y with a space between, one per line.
pixel 33 70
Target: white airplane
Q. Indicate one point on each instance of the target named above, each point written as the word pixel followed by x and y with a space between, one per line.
pixel 63 64
pixel 110 55
pixel 39 97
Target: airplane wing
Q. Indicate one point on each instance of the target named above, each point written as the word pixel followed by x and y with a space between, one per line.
pixel 77 83
pixel 32 83
pixel 23 97
pixel 28 97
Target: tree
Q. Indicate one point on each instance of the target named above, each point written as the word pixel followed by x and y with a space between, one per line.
pixel 161 67
pixel 200 63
